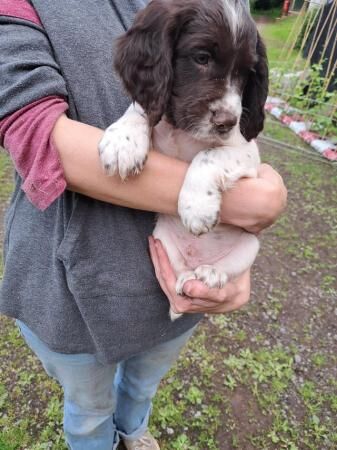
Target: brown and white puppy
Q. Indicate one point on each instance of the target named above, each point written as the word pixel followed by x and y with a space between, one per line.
pixel 197 72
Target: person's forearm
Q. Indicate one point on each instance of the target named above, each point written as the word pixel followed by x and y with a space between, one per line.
pixel 155 189
pixel 252 204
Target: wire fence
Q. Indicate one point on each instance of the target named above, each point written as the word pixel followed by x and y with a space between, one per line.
pixel 304 77
pixel 310 155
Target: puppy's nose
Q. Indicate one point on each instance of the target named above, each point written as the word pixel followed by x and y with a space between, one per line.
pixel 223 121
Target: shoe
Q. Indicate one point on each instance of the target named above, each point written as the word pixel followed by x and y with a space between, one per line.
pixel 146 442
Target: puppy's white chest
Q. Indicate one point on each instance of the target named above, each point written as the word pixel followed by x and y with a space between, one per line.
pixel 236 154
pixel 175 143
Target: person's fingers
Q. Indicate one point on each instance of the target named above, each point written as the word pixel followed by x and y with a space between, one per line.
pixel 156 264
pixel 166 269
pixel 199 305
pixel 267 172
pixel 232 296
pixel 234 305
pixel 182 305
pixel 166 276
pixel 204 306
pixel 198 289
pixel 154 256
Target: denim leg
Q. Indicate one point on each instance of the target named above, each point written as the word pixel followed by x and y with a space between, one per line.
pixel 136 382
pixel 89 399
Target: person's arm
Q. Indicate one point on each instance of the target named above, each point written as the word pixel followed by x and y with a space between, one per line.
pixel 28 74
pixel 252 204
pixel 155 189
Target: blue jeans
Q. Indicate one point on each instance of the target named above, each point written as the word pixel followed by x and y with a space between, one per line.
pixel 105 402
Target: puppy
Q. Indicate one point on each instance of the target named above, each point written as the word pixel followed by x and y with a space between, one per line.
pixel 198 74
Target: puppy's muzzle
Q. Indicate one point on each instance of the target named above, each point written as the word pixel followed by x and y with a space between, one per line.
pixel 223 121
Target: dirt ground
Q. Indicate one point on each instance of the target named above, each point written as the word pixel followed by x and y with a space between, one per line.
pixel 262 378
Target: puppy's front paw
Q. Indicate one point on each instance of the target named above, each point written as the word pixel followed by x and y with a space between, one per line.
pixel 199 213
pixel 124 147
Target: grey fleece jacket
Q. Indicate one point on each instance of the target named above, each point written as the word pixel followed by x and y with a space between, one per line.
pixel 78 274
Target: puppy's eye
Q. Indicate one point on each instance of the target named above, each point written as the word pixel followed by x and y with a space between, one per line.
pixel 202 58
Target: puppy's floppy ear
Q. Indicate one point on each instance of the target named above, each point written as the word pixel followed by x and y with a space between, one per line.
pixel 255 95
pixel 144 59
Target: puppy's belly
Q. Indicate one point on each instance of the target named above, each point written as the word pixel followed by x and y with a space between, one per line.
pixel 231 249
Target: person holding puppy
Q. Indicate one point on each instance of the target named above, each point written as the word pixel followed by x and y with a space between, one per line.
pixel 78 276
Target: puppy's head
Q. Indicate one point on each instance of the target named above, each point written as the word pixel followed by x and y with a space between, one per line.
pixel 201 63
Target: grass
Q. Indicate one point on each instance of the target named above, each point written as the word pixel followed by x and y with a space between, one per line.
pixel 6 186
pixel 273 13
pixel 275 36
pixel 275 130
pixel 263 378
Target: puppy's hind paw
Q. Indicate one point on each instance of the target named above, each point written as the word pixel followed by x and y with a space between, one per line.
pixel 182 278
pixel 211 276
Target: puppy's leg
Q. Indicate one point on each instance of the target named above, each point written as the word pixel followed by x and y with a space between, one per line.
pixel 210 173
pixel 125 144
pixel 240 259
pixel 200 196
pixel 235 263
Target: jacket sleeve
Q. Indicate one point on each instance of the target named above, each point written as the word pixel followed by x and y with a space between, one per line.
pixel 26 135
pixel 28 70
pixel 33 95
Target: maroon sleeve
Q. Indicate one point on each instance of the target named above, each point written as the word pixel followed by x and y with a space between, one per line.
pixel 20 9
pixel 26 135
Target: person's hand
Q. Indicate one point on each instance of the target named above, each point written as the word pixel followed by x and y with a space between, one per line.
pixel 198 297
pixel 255 203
